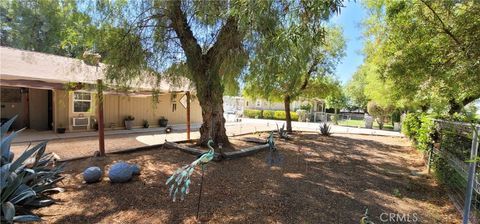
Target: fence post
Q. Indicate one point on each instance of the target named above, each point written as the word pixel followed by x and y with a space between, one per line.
pixel 429 161
pixel 471 176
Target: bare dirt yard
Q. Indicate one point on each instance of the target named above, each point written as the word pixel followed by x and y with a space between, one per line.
pixel 321 180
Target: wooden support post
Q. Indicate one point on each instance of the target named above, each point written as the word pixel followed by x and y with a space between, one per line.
pixel 100 121
pixel 188 115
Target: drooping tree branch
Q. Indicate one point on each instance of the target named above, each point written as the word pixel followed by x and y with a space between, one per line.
pixel 311 70
pixel 444 26
pixel 229 38
pixel 189 43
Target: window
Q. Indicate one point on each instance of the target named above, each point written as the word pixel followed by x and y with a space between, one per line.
pixel 258 103
pixel 82 102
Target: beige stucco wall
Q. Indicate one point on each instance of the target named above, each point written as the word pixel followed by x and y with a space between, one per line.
pixel 117 107
pixel 60 105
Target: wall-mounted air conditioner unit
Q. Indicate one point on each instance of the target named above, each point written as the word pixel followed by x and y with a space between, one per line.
pixel 81 121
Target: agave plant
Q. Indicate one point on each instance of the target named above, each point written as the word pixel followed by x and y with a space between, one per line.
pixel 282 132
pixel 26 181
pixel 325 129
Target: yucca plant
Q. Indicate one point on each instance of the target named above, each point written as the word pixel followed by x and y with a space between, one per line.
pixel 325 129
pixel 26 182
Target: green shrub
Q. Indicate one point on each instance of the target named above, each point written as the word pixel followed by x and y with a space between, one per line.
pixel 280 115
pixel 294 116
pixel 253 113
pixel 411 124
pixel 268 114
pixel 424 134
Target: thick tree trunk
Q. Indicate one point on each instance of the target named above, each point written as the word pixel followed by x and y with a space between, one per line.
pixel 210 97
pixel 288 118
pixel 205 69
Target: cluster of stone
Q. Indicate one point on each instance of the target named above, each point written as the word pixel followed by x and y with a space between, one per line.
pixel 120 172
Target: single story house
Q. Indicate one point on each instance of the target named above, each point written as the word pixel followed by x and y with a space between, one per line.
pixel 235 105
pixel 33 86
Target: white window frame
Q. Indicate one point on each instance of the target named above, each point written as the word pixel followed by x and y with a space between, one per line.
pixel 75 100
pixel 258 103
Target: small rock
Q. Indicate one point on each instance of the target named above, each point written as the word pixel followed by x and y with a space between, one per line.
pixel 92 174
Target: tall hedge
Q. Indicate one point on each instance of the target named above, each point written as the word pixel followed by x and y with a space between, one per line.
pixel 252 113
pixel 269 114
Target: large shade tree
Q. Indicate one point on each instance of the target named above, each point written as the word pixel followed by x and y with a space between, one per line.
pixel 49 26
pixel 355 90
pixel 208 42
pixel 428 49
pixel 297 61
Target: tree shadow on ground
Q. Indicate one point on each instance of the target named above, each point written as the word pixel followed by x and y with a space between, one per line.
pixel 329 180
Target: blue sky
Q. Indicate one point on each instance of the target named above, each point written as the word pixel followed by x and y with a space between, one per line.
pixel 350 20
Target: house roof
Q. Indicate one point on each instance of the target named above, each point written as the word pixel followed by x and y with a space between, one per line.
pixel 23 68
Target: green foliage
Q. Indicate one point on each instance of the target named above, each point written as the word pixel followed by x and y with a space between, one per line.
pixel 411 124
pixel 25 181
pixel 296 57
pixel 355 90
pixel 424 134
pixel 268 114
pixel 419 127
pixel 446 174
pixel 306 107
pixel 380 113
pixel 425 51
pixel 49 26
pixel 253 113
pixel 336 99
pixel 396 115
pixel 281 115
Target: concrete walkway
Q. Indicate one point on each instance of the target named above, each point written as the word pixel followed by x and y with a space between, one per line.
pixel 79 145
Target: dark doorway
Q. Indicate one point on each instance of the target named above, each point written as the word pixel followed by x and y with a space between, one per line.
pixel 38 104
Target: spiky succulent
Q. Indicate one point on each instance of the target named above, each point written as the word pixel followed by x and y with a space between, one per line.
pixel 281 132
pixel 25 181
pixel 325 129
